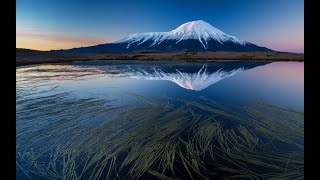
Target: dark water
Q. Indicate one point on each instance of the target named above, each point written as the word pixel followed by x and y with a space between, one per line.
pixel 160 120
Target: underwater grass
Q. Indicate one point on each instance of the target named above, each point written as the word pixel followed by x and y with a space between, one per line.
pixel 60 136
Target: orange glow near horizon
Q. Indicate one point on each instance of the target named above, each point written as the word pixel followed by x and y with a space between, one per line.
pixel 51 41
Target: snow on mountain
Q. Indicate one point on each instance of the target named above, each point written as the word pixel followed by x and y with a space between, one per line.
pixel 194 36
pixel 197 30
pixel 192 81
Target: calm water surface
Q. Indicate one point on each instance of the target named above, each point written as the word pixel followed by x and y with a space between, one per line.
pixel 158 120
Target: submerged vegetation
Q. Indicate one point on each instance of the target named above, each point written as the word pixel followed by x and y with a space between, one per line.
pixel 63 137
pixel 60 135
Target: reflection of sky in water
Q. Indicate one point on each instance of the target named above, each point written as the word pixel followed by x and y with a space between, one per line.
pixel 57 95
pixel 279 83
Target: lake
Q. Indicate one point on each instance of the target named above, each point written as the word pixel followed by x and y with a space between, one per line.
pixel 160 120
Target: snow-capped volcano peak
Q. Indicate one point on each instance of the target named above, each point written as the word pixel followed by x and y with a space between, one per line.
pixel 198 26
pixel 203 32
pixel 194 36
pixel 195 30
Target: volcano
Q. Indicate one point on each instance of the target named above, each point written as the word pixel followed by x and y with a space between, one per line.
pixel 191 36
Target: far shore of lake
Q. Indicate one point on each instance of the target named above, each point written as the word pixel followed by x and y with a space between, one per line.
pixel 27 56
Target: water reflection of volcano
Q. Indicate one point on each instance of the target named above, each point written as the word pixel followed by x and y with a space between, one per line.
pixel 193 76
pixel 192 81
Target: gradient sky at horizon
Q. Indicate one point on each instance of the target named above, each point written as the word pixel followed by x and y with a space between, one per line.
pixel 58 24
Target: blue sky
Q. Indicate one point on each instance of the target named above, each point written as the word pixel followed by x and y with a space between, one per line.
pixel 54 24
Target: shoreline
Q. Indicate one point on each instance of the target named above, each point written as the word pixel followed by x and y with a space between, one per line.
pixel 88 60
pixel 28 57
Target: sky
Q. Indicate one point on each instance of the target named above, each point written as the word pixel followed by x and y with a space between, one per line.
pixel 60 24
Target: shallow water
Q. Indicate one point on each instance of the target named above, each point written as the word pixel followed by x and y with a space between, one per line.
pixel 105 113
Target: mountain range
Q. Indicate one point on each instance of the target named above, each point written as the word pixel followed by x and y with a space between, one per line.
pixel 191 36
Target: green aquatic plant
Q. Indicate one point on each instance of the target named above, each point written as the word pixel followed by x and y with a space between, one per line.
pixel 60 136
